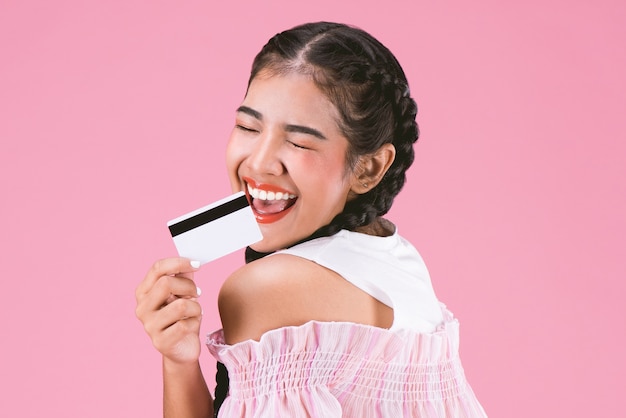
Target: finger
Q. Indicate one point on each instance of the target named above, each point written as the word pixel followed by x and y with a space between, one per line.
pixel 166 267
pixel 166 290
pixel 181 341
pixel 179 310
pixel 185 275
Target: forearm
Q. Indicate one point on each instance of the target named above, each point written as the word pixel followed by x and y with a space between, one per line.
pixel 185 393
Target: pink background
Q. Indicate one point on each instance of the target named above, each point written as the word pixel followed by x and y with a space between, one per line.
pixel 114 117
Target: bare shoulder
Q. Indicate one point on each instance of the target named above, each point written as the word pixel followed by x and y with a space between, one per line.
pixel 286 290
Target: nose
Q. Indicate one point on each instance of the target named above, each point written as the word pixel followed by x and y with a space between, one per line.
pixel 265 155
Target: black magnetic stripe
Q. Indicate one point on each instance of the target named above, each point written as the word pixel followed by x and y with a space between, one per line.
pixel 208 216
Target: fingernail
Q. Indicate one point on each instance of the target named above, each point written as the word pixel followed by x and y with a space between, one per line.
pixel 198 291
pixel 195 264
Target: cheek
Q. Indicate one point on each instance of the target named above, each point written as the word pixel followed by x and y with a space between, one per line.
pixel 329 179
pixel 334 167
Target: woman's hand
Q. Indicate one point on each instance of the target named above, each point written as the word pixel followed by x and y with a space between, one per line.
pixel 168 308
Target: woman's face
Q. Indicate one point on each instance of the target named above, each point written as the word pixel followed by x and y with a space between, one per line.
pixel 287 153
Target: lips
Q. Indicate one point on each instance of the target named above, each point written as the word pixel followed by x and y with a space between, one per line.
pixel 269 203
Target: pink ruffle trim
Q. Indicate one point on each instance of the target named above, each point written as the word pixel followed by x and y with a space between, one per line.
pixel 338 369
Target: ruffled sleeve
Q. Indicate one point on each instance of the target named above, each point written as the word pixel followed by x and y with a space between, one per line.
pixel 291 371
pixel 338 369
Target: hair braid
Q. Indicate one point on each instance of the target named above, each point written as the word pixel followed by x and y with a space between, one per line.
pixel 390 98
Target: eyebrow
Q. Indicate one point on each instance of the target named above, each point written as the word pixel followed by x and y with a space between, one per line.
pixel 289 127
pixel 250 111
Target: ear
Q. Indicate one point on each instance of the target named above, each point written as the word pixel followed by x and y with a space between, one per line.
pixel 371 168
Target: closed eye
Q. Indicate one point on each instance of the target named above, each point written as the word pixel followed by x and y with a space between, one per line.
pixel 295 145
pixel 245 128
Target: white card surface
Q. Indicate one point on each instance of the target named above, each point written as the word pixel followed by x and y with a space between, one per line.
pixel 215 230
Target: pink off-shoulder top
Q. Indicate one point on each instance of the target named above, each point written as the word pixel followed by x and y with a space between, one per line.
pixel 341 369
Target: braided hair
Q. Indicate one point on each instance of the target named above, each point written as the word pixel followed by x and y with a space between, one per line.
pixel 369 89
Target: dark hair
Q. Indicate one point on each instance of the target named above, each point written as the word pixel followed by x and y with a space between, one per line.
pixel 369 88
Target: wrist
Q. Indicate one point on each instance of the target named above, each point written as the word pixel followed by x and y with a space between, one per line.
pixel 185 392
pixel 180 367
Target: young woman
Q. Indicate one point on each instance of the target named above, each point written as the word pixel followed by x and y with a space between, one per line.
pixel 334 314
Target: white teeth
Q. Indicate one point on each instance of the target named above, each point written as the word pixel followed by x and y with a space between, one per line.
pixel 265 195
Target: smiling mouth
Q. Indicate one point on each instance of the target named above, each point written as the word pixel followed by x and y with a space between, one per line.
pixel 269 205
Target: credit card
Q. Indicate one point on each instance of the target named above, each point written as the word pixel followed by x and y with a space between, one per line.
pixel 215 230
